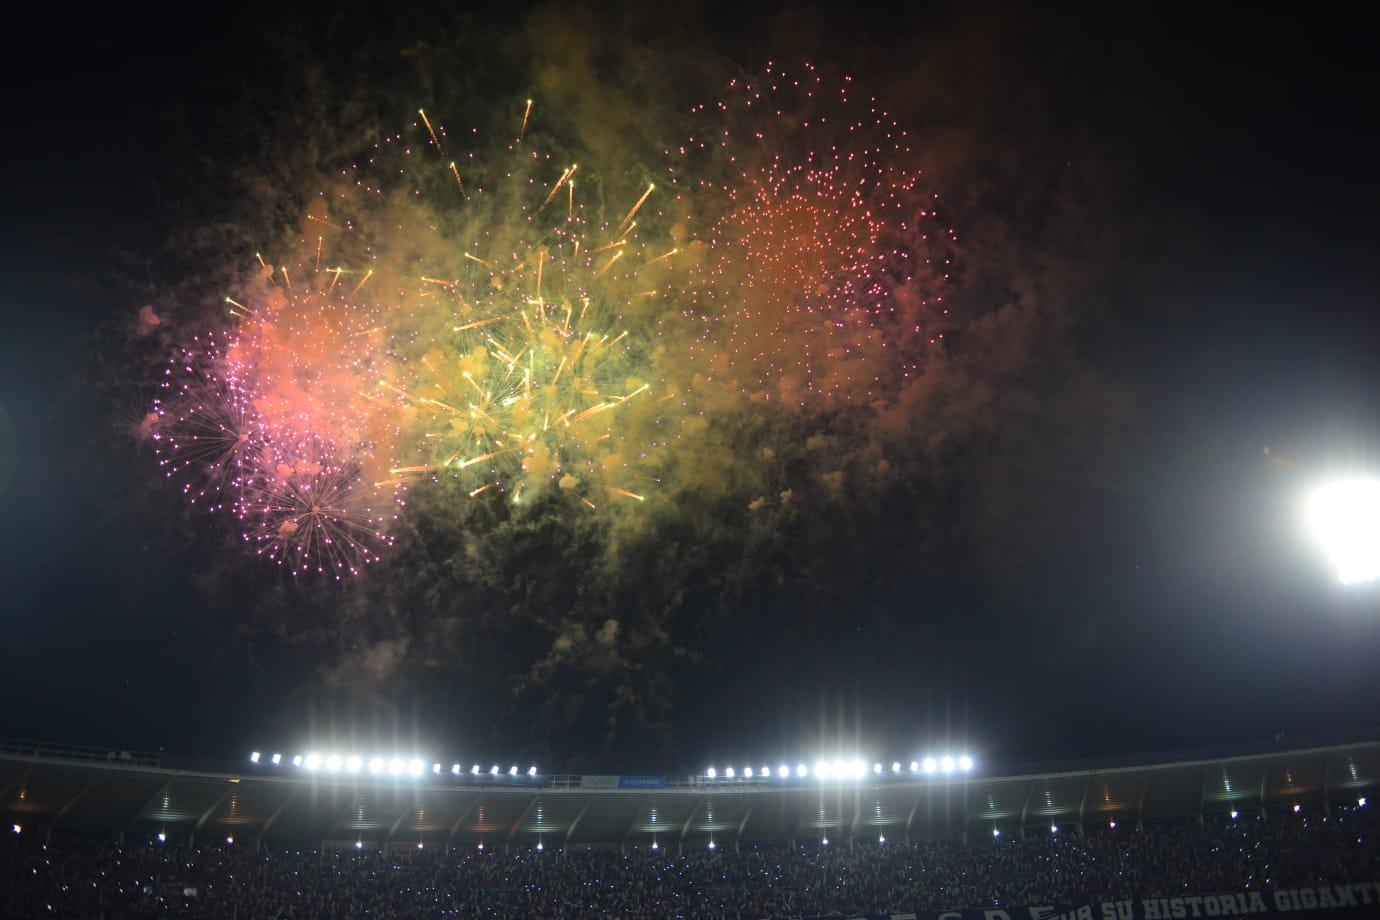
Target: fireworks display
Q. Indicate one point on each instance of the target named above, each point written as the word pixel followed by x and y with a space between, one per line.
pixel 449 310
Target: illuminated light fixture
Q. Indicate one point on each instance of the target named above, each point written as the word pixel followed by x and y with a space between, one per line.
pixel 823 770
pixel 455 769
pixel 802 770
pixel 419 844
pixel 947 764
pixel 539 846
pixel 436 768
pixel 359 844
pixel 711 843
pixel 416 767
pixel 17 828
pixel 783 771
pixel 1361 802
pixel 996 832
pixel 915 766
pixel 1296 808
pixel 481 844
pixel 313 761
pixel 376 765
pixel 711 773
pixel 532 771
pixel 654 845
pixel 354 763
pixel 1345 518
pixel 747 772
pixel 1054 828
pixel 474 770
pixel 965 763
pixel 728 772
pixel 1233 814
pixel 1112 823
pixel 229 839
pixel 277 759
pixel 824 842
pixel 513 770
pixel 493 771
pixel 929 765
pixel 297 760
pixel 881 838
pixel 162 837
pixel 877 768
pixel 395 766
pixel 857 769
pixel 254 757
pixel 896 767
pixel 333 763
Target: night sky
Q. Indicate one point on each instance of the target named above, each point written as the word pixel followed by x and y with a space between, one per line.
pixel 1072 531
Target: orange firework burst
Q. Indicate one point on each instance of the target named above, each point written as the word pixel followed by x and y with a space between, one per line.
pixel 821 260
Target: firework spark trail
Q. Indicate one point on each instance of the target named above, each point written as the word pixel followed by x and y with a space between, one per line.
pixel 822 260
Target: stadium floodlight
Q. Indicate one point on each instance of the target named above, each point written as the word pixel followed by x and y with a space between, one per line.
pixel 493 771
pixel 728 773
pixel 1112 824
pixel 229 839
pixel 297 760
pixel 823 770
pixel 783 771
pixel 824 842
pixel 162 837
pixel 655 846
pixel 1054 828
pixel 896 767
pixel 877 768
pixel 1296 808
pixel 419 844
pixel 17 828
pixel 359 844
pixel 1233 814
pixel 474 770
pixel 513 770
pixel 436 768
pixel 354 763
pixel 277 759
pixel 996 832
pixel 929 765
pixel 857 769
pixel 376 765
pixel 539 846
pixel 965 763
pixel 313 762
pixel 416 767
pixel 395 766
pixel 711 843
pixel 532 770
pixel 1361 802
pixel 747 772
pixel 881 838
pixel 711 773
pixel 802 770
pixel 1345 518
pixel 254 757
pixel 915 766
pixel 481 844
pixel 947 764
pixel 333 763
pixel 455 769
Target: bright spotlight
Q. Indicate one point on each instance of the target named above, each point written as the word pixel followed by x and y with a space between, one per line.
pixel 929 765
pixel 539 846
pixel 711 773
pixel 532 771
pixel 416 767
pixel 896 768
pixel 395 766
pixel 474 770
pixel 877 768
pixel 947 764
pixel 766 771
pixel 436 768
pixel 254 757
pixel 1112 823
pixel 783 771
pixel 333 763
pixel 1361 802
pixel 823 770
pixel 229 839
pixel 914 766
pixel 1054 828
pixel 493 771
pixel 825 841
pixel 747 772
pixel 419 844
pixel 455 769
pixel 881 838
pixel 513 771
pixel 277 759
pixel 313 761
pixel 1296 808
pixel 711 844
pixel 1233 814
pixel 297 760
pixel 728 772
pixel 857 769
pixel 1345 518
pixel 654 845
pixel 359 844
pixel 965 763
pixel 162 837
pixel 802 770
pixel 376 765
pixel 996 832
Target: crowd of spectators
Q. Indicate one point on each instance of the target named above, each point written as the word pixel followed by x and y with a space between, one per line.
pixel 58 875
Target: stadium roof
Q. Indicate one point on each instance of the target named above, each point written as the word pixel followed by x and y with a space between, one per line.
pixel 43 786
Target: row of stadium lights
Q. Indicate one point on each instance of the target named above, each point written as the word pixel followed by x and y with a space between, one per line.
pixel 396 766
pixel 850 769
pixel 1054 828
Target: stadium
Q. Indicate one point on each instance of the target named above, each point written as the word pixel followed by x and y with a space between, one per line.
pixel 135 834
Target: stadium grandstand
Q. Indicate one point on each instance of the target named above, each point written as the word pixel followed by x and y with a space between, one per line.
pixel 116 833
